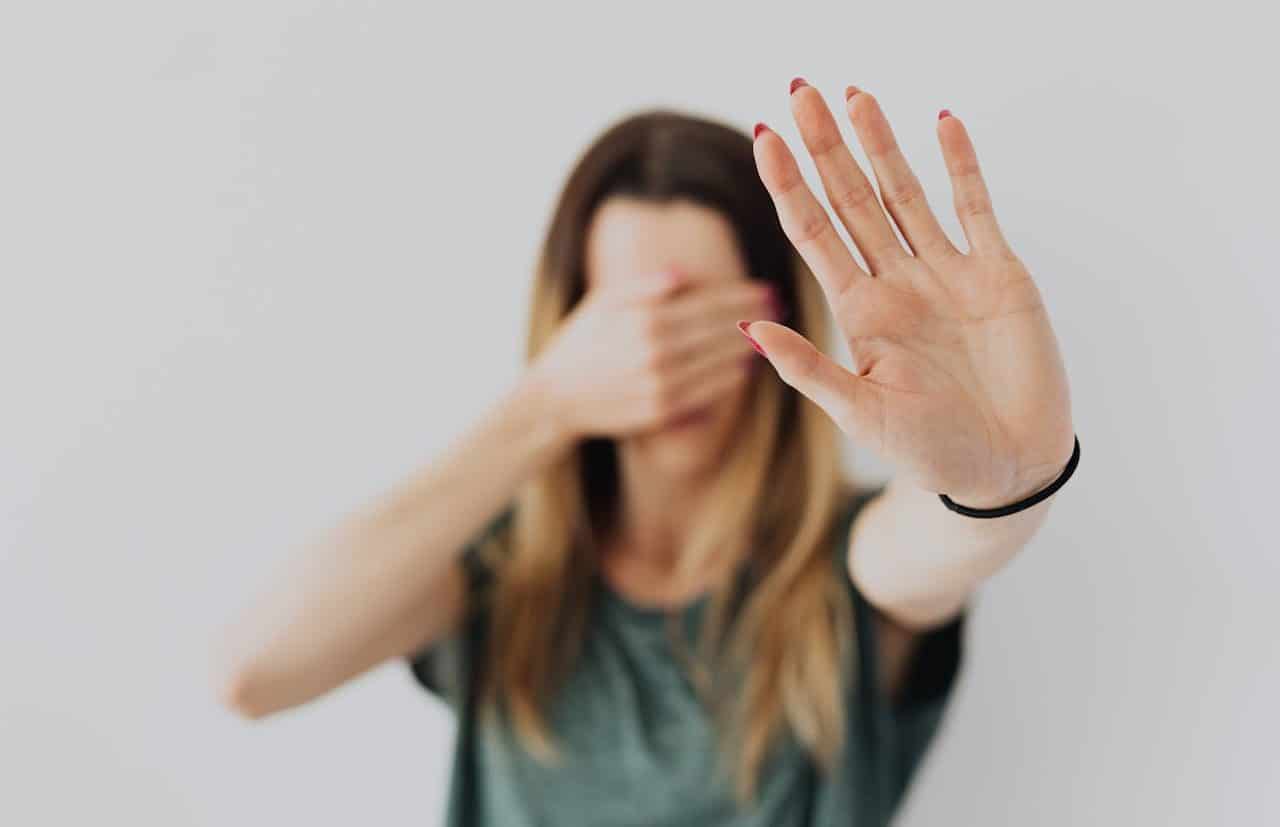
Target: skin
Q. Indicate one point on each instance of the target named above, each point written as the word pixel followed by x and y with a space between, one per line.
pixel 667 467
pixel 692 356
pixel 958 382
pixel 650 357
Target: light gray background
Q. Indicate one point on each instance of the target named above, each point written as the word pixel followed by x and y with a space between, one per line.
pixel 261 260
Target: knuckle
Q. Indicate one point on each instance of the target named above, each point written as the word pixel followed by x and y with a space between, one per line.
pixel 904 195
pixel 663 400
pixel 650 345
pixel 651 326
pixel 809 227
pixel 854 299
pixel 821 146
pixel 791 181
pixel 650 395
pixel 651 412
pixel 850 198
pixel 653 360
pixel 973 205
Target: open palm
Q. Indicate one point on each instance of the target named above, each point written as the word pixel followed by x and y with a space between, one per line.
pixel 957 376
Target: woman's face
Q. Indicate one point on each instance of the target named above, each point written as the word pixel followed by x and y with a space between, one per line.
pixel 631 238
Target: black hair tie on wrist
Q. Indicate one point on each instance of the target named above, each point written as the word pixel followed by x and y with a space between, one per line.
pixel 1005 510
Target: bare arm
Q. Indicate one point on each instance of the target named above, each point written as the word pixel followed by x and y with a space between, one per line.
pixel 921 561
pixel 918 562
pixel 957 376
pixel 388 579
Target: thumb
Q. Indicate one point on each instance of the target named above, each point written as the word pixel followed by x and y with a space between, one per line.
pixel 852 402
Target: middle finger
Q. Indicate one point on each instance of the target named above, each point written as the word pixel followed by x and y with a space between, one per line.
pixel 903 196
pixel 847 188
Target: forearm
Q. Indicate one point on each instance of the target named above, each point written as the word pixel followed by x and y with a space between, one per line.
pixel 919 562
pixel 448 503
pixel 385 578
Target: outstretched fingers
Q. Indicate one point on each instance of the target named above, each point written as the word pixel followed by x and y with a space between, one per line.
pixel 850 193
pixel 969 190
pixel 899 187
pixel 803 218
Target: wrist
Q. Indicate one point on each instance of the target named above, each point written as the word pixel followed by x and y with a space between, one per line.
pixel 1027 484
pixel 545 412
pixel 1007 496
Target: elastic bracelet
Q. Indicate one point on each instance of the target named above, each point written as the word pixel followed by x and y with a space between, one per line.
pixel 1005 510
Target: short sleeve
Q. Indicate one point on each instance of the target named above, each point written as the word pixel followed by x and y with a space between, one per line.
pixel 904 728
pixel 442 667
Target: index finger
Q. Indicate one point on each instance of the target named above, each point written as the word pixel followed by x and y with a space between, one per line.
pixel 803 219
pixel 847 187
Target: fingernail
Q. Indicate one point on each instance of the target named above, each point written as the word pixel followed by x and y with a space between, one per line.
pixel 849 92
pixel 760 127
pixel 944 113
pixel 796 83
pixel 743 325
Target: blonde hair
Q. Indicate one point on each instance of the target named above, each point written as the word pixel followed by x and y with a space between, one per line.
pixel 770 659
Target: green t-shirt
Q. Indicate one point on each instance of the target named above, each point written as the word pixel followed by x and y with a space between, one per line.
pixel 638 748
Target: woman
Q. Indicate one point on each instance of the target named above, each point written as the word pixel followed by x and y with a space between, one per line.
pixel 641 579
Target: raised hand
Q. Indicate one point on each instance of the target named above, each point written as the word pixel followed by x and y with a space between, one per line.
pixel 641 355
pixel 957 378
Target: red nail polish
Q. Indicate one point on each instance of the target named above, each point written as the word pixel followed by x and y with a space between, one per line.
pixel 849 92
pixel 944 113
pixel 796 83
pixel 743 327
pixel 759 128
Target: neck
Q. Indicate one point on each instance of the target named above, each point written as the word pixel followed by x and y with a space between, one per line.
pixel 655 511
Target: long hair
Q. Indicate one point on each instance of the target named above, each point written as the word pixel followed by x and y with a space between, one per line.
pixel 769 657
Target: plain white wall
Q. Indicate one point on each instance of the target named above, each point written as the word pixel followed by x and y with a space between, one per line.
pixel 261 260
